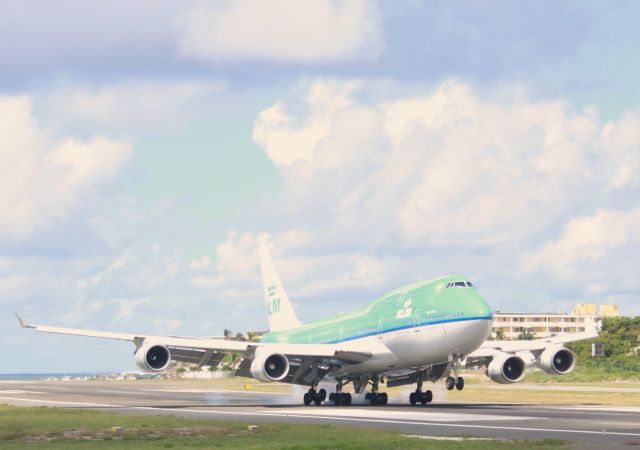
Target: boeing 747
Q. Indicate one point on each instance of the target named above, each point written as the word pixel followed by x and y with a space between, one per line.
pixel 420 333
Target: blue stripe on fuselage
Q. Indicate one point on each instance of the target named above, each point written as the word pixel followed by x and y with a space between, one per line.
pixel 404 327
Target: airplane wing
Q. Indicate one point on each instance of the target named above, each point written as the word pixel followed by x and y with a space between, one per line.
pixel 490 349
pixel 205 351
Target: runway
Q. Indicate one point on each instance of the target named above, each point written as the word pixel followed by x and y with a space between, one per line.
pixel 587 425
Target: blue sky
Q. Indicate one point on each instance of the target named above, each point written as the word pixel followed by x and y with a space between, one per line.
pixel 149 149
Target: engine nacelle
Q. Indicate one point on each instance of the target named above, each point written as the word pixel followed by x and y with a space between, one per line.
pixel 506 368
pixel 556 360
pixel 153 358
pixel 269 366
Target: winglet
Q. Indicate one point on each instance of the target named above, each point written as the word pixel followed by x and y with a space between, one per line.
pixel 22 323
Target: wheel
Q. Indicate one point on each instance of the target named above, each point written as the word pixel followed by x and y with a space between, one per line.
pixel 460 384
pixel 412 399
pixel 347 398
pixel 307 399
pixel 322 394
pixel 423 398
pixel 317 400
pixel 383 398
pixel 429 396
pixel 373 398
pixel 332 398
pixel 450 383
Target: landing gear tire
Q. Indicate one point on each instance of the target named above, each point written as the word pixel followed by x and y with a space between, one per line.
pixel 450 383
pixel 377 398
pixel 314 397
pixel 340 398
pixel 420 397
pixel 429 396
pixel 460 383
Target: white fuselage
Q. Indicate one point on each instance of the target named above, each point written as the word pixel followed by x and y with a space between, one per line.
pixel 421 346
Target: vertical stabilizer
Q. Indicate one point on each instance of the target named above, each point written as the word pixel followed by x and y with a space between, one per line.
pixel 279 310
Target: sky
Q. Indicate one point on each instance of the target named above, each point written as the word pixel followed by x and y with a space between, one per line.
pixel 148 149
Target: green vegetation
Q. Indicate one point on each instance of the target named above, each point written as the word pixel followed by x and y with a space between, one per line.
pixel 620 336
pixel 53 428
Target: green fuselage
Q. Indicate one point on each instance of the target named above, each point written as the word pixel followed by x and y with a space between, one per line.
pixel 418 305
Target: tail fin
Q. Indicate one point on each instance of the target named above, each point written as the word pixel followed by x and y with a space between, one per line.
pixel 279 310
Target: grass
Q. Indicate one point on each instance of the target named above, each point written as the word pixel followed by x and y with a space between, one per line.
pixel 585 374
pixel 51 428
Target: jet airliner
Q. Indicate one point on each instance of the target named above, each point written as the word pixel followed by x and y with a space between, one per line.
pixel 420 333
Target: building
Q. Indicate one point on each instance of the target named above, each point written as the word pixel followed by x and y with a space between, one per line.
pixel 515 325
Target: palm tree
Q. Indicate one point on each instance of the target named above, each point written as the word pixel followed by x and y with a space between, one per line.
pixel 180 371
pixel 212 369
pixel 194 369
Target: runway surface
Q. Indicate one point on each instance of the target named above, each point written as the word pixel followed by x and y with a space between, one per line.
pixel 587 425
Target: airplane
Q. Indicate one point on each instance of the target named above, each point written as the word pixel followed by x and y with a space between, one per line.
pixel 419 333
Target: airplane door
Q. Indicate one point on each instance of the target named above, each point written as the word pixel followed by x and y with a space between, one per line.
pixel 417 320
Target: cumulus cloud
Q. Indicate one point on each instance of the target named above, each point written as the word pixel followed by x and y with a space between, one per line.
pixel 452 180
pixel 285 30
pixel 600 250
pixel 44 176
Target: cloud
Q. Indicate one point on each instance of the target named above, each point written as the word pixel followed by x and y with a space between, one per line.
pixel 129 107
pixel 451 180
pixel 44 176
pixel 599 251
pixel 282 31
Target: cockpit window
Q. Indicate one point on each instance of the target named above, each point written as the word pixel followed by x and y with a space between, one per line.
pixel 462 284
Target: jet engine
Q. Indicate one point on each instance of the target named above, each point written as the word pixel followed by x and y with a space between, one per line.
pixel 506 368
pixel 153 358
pixel 556 360
pixel 269 366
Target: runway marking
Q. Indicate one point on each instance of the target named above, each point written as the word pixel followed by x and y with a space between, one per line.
pixel 334 418
pixel 404 422
pixel 58 402
pixel 435 416
pixel 218 391
pixel 18 391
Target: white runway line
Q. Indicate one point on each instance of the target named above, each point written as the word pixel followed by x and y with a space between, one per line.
pixel 404 422
pixel 214 391
pixel 17 391
pixel 58 402
pixel 433 416
pixel 333 418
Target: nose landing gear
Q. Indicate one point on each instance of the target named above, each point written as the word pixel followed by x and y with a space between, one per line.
pixel 455 381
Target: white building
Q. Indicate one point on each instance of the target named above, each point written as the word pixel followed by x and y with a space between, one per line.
pixel 541 325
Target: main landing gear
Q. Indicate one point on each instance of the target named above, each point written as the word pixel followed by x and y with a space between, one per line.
pixel 455 381
pixel 419 396
pixel 314 397
pixel 375 397
pixel 340 398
